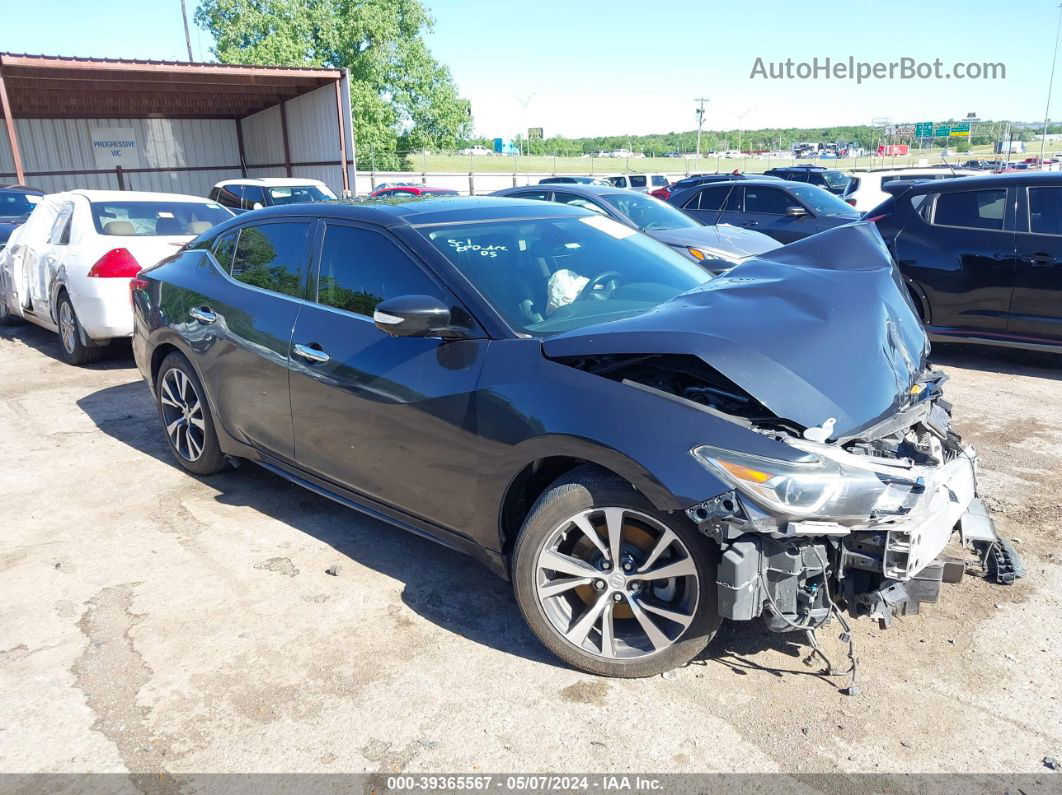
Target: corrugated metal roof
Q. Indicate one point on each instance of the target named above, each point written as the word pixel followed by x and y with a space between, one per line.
pixel 325 72
pixel 55 86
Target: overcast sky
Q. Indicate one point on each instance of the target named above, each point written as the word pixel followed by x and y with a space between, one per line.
pixel 618 66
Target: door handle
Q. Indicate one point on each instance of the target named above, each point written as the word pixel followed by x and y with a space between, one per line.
pixel 751 223
pixel 1039 260
pixel 310 353
pixel 202 314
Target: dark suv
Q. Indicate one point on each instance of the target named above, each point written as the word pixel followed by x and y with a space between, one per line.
pixel 829 178
pixel 786 211
pixel 982 256
pixel 644 449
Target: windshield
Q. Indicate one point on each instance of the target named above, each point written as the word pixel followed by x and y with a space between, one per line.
pixel 548 275
pixel 15 203
pixel 648 213
pixel 145 219
pixel 821 201
pixel 298 194
pixel 835 179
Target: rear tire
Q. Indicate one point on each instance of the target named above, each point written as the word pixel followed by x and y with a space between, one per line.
pixel 186 419
pixel 624 620
pixel 72 336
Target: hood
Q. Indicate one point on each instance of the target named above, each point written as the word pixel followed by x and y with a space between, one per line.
pixel 734 241
pixel 819 328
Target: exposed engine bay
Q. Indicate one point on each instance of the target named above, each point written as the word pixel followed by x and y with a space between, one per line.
pixel 876 549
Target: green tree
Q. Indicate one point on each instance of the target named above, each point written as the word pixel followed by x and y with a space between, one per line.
pixel 402 98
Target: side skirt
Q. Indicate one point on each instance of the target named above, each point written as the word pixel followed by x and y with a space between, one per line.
pixel 942 335
pixel 496 562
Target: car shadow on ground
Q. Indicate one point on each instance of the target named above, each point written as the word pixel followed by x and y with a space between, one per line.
pixel 440 585
pixel 988 359
pixel 117 355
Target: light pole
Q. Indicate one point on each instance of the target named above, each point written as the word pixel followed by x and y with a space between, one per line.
pixel 700 122
pixel 525 101
pixel 1050 84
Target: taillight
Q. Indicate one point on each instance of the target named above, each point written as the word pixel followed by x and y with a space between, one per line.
pixel 117 263
pixel 875 218
pixel 850 201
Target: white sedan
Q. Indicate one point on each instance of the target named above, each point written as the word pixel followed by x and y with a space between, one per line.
pixel 69 267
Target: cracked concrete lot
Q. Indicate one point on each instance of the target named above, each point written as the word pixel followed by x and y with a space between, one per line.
pixel 153 622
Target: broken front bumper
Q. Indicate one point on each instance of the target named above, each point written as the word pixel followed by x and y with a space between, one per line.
pixel 792 573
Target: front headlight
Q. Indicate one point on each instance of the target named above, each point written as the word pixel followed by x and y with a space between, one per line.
pixel 700 254
pixel 818 487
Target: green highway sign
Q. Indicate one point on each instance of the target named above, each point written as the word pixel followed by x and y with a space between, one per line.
pixel 927 129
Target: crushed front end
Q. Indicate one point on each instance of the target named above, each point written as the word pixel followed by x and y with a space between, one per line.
pixel 862 522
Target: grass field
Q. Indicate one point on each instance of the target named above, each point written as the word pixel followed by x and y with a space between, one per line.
pixel 663 165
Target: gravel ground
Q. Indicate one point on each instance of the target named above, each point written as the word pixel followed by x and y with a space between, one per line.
pixel 151 621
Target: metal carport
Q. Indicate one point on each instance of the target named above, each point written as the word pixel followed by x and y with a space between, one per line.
pixel 182 126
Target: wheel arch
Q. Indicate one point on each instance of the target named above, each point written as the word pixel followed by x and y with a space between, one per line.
pixel 556 457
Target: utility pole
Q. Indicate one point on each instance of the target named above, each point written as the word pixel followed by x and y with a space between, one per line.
pixel 187 35
pixel 525 101
pixel 700 121
pixel 1050 85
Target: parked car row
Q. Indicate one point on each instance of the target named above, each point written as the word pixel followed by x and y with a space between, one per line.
pixel 715 248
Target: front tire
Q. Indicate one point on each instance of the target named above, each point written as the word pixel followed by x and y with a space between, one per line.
pixel 611 585
pixel 186 418
pixel 72 336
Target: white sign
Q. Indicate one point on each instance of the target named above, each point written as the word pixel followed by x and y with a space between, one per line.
pixel 115 146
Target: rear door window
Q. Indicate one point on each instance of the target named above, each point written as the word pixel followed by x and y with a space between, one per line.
pixel 60 234
pixel 272 256
pixel 972 209
pixel 539 195
pixel 224 248
pixel 727 198
pixel 578 201
pixel 769 201
pixel 252 195
pixel 638 180
pixel 228 195
pixel 1045 211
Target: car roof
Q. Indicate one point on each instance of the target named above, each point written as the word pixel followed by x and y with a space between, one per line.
pixel 136 196
pixel 419 211
pixel 22 189
pixel 751 182
pixel 276 182
pixel 990 181
pixel 577 188
pixel 806 167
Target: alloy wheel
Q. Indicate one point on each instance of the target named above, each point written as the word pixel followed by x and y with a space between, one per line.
pixel 182 414
pixel 67 327
pixel 617 583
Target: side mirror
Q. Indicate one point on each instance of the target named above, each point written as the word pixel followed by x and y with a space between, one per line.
pixel 795 211
pixel 413 316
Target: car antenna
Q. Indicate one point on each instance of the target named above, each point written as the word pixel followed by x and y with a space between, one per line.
pixel 721 206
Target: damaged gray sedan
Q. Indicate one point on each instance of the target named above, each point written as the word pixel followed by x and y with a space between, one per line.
pixel 644 449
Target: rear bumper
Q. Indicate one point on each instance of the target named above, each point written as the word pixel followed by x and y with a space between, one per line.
pixel 104 309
